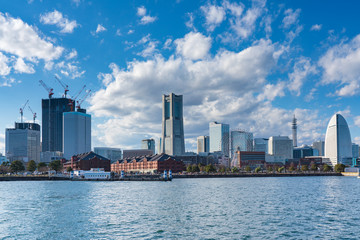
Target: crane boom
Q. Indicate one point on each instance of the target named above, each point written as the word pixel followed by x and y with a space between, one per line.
pixel 49 90
pixel 82 100
pixel 65 86
pixel 22 110
pixel 78 94
pixel 34 114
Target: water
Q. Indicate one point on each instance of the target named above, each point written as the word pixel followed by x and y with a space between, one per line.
pixel 233 208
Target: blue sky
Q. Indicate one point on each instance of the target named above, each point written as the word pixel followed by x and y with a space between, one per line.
pixel 252 64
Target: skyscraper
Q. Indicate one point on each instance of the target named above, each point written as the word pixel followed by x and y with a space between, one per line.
pixel 320 146
pixel 241 141
pixel 23 142
pixel 338 146
pixel 172 136
pixel 219 137
pixel 52 122
pixel 294 132
pixel 113 154
pixel 261 145
pixel 148 144
pixel 203 144
pixel 76 133
pixel 281 146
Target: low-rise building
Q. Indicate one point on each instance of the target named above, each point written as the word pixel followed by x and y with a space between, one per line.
pixel 87 161
pixel 148 164
pixel 246 158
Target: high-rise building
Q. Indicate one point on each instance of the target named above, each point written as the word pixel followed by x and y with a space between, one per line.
pixel 219 137
pixel 241 141
pixel 113 154
pixel 320 146
pixel 355 150
pixel 148 144
pixel 203 144
pixel 23 142
pixel 52 122
pixel 261 145
pixel 304 151
pixel 338 146
pixel 172 136
pixel 76 133
pixel 294 132
pixel 281 146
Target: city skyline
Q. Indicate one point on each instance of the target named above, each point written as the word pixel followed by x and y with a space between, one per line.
pixel 250 64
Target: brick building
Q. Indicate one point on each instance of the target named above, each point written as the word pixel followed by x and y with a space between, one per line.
pixel 86 161
pixel 252 159
pixel 148 164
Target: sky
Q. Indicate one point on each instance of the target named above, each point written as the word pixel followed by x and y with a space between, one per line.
pixel 251 64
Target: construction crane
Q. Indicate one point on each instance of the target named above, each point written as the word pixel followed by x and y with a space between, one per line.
pixel 22 110
pixel 65 86
pixel 34 114
pixel 49 90
pixel 72 100
pixel 82 100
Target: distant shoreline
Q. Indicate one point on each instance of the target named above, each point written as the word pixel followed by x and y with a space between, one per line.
pixel 175 176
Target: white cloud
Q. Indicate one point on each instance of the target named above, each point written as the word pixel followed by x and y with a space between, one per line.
pixel 4 67
pixel 56 18
pixel 215 15
pixel 76 2
pixel 223 87
pixel 167 44
pixel 72 54
pixel 118 32
pixel 145 19
pixel 22 40
pixel 150 46
pixel 357 121
pixel 131 31
pixel 316 27
pixel 69 69
pixel 190 23
pixel 100 28
pixel 21 67
pixel 341 65
pixel 193 46
pixel 302 69
pixel 291 18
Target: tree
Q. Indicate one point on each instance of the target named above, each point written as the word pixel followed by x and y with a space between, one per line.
pixel 248 169
pixel 292 167
pixel 258 169
pixel 269 169
pixel 17 166
pixel 42 167
pixel 4 169
pixel 222 168
pixel 69 169
pixel 326 168
pixel 304 168
pixel 6 164
pixel 280 169
pixel 339 167
pixel 234 170
pixel 210 168
pixel 55 165
pixel 313 167
pixel 195 168
pixel 31 166
pixel 189 168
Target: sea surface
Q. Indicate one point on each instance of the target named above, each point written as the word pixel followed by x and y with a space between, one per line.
pixel 232 208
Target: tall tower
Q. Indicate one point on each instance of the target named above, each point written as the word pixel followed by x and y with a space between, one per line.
pixel 52 122
pixel 219 137
pixel 172 136
pixel 294 132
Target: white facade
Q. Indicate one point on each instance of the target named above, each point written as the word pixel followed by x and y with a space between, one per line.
pixel 280 146
pixel 338 146
pixel 76 133
pixel 355 150
pixel 94 173
pixel 320 146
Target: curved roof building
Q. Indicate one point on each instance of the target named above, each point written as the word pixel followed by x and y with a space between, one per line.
pixel 338 146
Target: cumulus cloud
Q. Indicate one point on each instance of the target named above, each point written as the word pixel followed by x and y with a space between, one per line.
pixel 21 67
pixel 70 69
pixel 215 15
pixel 145 19
pixel 357 121
pixel 193 46
pixel 22 40
pixel 72 54
pixel 302 69
pixel 100 28
pixel 316 27
pixel 223 87
pixel 56 18
pixel 341 65
pixel 4 67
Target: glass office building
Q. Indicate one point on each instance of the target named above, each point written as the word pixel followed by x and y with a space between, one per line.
pixel 219 137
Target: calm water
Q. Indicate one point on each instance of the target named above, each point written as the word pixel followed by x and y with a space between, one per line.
pixel 236 208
